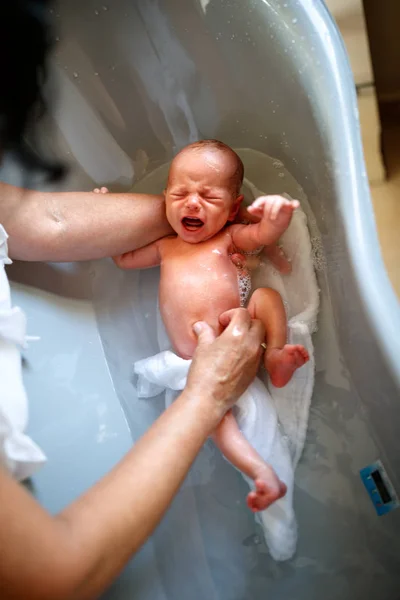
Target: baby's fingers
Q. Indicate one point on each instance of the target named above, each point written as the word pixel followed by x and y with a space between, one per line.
pixel 280 204
pixel 257 207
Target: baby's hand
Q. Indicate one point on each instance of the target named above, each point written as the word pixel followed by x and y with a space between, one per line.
pixel 102 190
pixel 275 213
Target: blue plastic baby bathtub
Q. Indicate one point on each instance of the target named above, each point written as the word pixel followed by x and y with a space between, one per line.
pixel 137 81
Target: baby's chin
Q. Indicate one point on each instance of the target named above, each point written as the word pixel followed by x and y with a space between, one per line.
pixel 193 237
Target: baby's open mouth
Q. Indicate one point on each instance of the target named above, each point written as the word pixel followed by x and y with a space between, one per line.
pixel 192 224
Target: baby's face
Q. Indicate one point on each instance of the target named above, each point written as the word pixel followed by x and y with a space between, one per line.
pixel 200 198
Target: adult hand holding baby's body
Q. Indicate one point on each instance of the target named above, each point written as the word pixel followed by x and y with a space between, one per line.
pixel 224 367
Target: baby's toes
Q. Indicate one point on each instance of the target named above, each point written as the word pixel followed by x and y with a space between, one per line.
pixel 300 354
pixel 304 353
pixel 261 486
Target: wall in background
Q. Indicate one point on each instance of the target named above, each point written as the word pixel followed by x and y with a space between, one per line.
pixel 383 23
pixel 350 18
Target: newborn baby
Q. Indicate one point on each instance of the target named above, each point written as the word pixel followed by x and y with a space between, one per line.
pixel 199 281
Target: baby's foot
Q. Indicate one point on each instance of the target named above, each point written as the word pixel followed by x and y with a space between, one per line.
pixel 102 190
pixel 276 213
pixel 281 363
pixel 268 489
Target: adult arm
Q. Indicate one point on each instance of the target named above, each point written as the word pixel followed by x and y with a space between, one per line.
pixel 68 226
pixel 78 553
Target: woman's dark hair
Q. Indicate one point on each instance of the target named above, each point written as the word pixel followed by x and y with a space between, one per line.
pixel 25 40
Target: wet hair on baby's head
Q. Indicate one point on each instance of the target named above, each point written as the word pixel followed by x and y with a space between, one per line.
pixel 237 177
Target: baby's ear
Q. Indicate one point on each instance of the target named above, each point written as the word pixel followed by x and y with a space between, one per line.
pixel 235 207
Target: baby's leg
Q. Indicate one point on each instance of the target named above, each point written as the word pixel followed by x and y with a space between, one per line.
pixel 233 445
pixel 281 360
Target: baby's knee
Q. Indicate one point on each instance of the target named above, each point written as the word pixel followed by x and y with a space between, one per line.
pixel 262 294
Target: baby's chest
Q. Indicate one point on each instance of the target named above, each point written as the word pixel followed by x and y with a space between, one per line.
pixel 198 267
pixel 196 264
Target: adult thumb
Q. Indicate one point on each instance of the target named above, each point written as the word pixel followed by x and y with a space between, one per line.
pixel 205 335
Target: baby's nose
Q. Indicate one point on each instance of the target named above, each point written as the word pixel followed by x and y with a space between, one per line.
pixel 193 202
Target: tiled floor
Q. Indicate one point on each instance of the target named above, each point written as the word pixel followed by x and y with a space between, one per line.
pixel 386 199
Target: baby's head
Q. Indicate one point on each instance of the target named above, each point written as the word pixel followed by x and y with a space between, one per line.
pixel 203 190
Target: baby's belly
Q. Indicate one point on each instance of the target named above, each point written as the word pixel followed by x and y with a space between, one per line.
pixel 186 298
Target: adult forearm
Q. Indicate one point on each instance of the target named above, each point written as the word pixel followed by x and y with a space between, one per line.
pixel 78 554
pixel 131 500
pixel 72 226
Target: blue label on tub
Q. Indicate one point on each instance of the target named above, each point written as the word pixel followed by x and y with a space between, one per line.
pixel 379 488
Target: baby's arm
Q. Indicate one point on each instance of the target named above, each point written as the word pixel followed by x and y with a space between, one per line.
pixel 275 213
pixel 143 258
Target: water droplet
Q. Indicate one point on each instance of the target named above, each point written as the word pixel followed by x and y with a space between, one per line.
pixel 75 74
pixel 294 21
pixel 57 39
pixel 104 7
pixel 278 164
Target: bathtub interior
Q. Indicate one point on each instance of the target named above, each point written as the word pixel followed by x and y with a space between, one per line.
pixel 137 81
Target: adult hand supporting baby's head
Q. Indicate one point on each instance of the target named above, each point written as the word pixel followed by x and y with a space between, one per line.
pixel 224 367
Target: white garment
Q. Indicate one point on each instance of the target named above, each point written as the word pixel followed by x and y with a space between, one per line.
pixel 259 411
pixel 18 453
